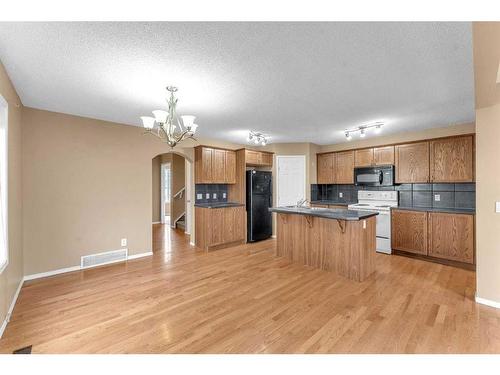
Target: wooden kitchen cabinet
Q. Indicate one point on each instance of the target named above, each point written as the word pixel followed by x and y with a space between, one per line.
pixel 258 158
pixel 325 168
pixel 409 231
pixel 412 163
pixel 214 166
pixel 216 228
pixel 363 157
pixel 452 159
pixel 344 167
pixel 451 236
pixel 383 155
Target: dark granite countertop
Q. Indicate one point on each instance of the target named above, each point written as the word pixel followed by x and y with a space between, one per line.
pixel 332 202
pixel 471 211
pixel 218 204
pixel 327 213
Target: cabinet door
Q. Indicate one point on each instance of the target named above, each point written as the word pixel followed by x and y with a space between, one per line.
pixel 383 155
pixel 412 163
pixel 409 231
pixel 230 167
pixel 344 167
pixel 452 236
pixel 363 158
pixel 253 157
pixel 206 176
pixel 325 168
pixel 266 159
pixel 451 159
pixel 216 225
pixel 234 225
pixel 218 166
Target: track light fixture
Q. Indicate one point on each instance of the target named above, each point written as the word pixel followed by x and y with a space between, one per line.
pixel 257 138
pixel 377 126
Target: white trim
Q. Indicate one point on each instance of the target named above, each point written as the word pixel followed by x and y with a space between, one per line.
pixel 192 243
pixel 5 189
pixel 273 236
pixel 276 199
pixel 141 255
pixel 11 308
pixel 51 273
pixel 156 222
pixel 487 302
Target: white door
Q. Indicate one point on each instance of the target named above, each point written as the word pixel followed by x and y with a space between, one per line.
pixel 291 180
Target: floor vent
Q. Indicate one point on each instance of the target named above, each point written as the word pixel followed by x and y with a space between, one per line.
pixel 104 258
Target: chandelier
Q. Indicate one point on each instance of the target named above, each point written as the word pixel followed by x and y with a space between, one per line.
pixel 168 127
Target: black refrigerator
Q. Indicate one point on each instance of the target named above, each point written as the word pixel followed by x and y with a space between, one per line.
pixel 259 199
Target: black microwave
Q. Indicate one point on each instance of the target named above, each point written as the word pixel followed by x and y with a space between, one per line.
pixel 374 176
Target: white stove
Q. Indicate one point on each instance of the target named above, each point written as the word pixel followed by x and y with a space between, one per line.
pixel 380 201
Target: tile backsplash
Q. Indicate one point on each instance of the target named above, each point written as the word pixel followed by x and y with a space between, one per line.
pixel 210 193
pixel 410 195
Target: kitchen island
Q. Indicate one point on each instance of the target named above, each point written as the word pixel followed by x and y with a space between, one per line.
pixel 337 240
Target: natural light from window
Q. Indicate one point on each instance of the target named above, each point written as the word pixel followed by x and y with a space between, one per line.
pixel 4 252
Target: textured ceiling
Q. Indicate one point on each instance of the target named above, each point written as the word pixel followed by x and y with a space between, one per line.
pixel 294 81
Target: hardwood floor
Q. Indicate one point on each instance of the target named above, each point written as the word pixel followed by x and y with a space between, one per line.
pixel 245 300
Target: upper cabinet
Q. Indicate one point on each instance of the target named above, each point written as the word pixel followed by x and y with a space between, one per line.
pixel 412 163
pixel 363 157
pixel 383 155
pixel 451 159
pixel 258 158
pixel 326 168
pixel 344 167
pixel 214 166
pixel 368 157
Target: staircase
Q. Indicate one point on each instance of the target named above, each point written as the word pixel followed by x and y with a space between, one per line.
pixel 181 222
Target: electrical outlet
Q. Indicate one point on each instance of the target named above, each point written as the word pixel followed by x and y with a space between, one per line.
pixel 199 196
pixel 207 196
pixel 124 242
pixel 341 195
pixel 437 197
pixel 214 196
pixel 224 195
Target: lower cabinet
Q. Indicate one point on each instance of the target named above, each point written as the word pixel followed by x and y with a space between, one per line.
pixel 446 236
pixel 216 228
pixel 451 236
pixel 409 231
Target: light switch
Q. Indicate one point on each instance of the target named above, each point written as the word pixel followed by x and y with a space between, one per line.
pixel 207 196
pixel 214 196
pixel 497 207
pixel 437 197
pixel 224 195
pixel 341 195
pixel 199 196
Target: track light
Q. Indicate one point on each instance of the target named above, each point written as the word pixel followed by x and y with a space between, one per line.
pixel 377 126
pixel 257 138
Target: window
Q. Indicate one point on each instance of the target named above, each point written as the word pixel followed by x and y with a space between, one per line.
pixel 4 241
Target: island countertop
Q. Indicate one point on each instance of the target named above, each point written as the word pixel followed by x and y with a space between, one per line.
pixel 326 213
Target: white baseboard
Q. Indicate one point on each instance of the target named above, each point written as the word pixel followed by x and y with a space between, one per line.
pixel 51 273
pixel 487 302
pixel 273 236
pixel 156 222
pixel 141 255
pixel 192 243
pixel 11 308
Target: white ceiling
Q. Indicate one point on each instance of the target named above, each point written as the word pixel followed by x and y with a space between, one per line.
pixel 294 81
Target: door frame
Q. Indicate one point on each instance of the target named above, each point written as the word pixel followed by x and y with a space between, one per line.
pixel 278 157
pixel 162 187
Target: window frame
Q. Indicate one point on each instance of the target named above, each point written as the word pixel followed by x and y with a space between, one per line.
pixel 4 176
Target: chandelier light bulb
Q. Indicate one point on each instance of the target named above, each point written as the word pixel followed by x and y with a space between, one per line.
pixel 348 136
pixel 148 122
pixel 160 116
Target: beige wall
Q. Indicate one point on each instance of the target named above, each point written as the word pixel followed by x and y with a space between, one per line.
pixel 12 275
pixel 486 59
pixel 402 137
pixel 156 188
pixel 88 183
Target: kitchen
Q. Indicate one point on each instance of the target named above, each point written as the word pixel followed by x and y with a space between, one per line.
pixel 421 194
